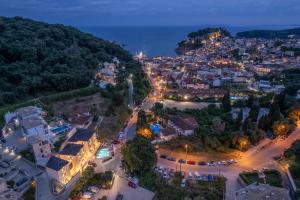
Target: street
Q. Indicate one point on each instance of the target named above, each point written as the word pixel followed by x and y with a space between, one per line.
pixel 257 157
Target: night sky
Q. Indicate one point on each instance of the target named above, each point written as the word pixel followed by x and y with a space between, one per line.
pixel 156 12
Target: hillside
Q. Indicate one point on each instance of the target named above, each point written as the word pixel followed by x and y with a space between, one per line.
pixel 195 39
pixel 269 34
pixel 37 58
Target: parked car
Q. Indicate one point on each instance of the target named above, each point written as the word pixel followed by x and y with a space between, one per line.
pixel 92 164
pixel 181 161
pixel 266 168
pixel 210 178
pixel 116 142
pixel 132 184
pixel 171 158
pixel 190 176
pixel 197 175
pixel 160 169
pixel 191 162
pixel 163 156
pixel 134 179
pixel 202 163
pixel 93 189
pixel 87 195
pixel 119 197
pixel 172 172
pixel 166 176
pixel 183 181
pixel 211 163
pixel 277 157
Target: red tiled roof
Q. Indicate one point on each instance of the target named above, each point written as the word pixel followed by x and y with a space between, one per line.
pixel 184 123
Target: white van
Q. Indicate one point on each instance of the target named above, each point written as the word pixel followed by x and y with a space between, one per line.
pixel 182 183
pixel 197 175
pixel 190 176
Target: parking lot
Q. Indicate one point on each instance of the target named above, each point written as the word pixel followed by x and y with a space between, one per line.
pixel 121 187
pixel 197 162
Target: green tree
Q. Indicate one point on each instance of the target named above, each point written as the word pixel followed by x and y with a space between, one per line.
pixel 250 101
pixel 226 104
pixel 139 155
pixel 158 108
pixel 253 114
pixel 256 136
pixel 240 142
pixel 282 128
pixel 117 99
pixel 264 123
pixel 239 118
pixel 274 114
pixel 247 126
pixel 294 115
pixel 141 119
pixel 296 148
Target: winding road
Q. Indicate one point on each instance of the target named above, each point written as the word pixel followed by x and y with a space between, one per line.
pixel 256 158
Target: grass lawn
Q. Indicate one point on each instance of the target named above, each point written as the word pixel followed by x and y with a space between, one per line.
pixel 273 178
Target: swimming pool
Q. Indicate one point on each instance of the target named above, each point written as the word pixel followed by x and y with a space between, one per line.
pixel 155 128
pixel 61 129
pixel 103 153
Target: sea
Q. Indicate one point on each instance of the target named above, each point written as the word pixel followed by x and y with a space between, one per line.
pixel 158 40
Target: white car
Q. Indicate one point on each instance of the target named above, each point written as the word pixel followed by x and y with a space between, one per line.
pixel 93 189
pixel 166 176
pixel 87 195
pixel 190 176
pixel 183 181
pixel 197 176
pixel 266 168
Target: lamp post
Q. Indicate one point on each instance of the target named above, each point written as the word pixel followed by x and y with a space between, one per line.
pixel 186 149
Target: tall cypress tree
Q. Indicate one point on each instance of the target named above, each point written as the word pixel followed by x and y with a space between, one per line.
pixel 226 105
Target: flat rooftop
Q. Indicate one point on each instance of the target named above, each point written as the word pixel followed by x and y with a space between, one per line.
pixel 258 191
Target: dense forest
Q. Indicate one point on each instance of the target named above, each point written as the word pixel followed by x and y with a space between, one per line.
pixel 37 58
pixel 194 39
pixel 269 34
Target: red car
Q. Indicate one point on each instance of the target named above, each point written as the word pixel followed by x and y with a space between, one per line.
pixel 116 142
pixel 92 164
pixel 132 184
pixel 191 162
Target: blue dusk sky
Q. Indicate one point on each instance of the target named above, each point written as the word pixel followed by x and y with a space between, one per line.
pixel 156 12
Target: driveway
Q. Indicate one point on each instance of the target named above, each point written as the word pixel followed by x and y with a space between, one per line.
pixel 17 140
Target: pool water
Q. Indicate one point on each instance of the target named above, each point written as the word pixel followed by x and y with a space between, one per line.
pixel 155 128
pixel 61 129
pixel 103 153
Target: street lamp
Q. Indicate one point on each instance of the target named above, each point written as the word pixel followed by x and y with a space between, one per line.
pixel 186 149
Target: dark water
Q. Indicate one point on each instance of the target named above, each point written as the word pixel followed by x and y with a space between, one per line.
pixel 155 41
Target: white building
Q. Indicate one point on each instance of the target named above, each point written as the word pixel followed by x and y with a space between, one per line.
pixel 41 150
pixel 34 126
